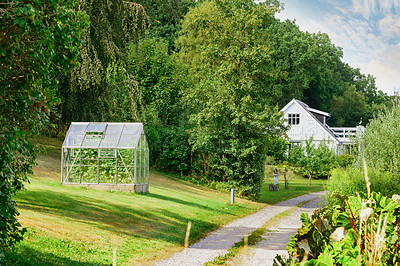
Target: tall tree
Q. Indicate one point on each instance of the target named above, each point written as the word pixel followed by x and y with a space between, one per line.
pixel 85 91
pixel 166 18
pixel 313 71
pixel 225 44
pixel 38 39
pixel 341 110
pixel 309 64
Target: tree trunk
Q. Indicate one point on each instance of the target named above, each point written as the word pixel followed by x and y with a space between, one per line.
pixel 309 178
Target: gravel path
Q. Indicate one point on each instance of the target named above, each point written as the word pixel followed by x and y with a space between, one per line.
pixel 218 242
pixel 277 237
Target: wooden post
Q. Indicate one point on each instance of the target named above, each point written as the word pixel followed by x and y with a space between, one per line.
pixel 115 257
pixel 286 182
pixel 188 234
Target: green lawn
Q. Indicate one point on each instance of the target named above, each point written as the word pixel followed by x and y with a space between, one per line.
pixel 77 226
pixel 297 187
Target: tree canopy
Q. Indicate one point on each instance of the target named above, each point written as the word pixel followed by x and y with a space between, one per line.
pixel 225 46
pixel 206 77
pixel 39 39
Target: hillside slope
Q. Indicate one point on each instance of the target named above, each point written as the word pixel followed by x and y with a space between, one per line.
pixel 77 226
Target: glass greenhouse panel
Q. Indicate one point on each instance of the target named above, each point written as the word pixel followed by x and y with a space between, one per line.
pixel 106 154
pixel 112 136
pixel 130 136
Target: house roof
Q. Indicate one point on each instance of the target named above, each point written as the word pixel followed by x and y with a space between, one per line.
pixel 319 112
pixel 310 111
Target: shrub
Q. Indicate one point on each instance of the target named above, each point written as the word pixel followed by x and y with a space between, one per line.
pixel 380 143
pixel 175 151
pixel 351 180
pixel 313 160
pixel 345 159
pixel 276 148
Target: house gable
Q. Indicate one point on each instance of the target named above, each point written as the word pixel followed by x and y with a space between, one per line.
pixel 311 123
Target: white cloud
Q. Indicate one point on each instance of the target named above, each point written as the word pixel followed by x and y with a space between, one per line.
pixel 389 26
pixel 355 36
pixel 367 30
pixel 386 69
pixel 368 7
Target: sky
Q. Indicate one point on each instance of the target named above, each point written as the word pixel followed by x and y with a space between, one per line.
pixel 367 30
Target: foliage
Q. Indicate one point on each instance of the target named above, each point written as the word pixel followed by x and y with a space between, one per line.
pixel 309 62
pixel 87 92
pixel 313 160
pixel 345 159
pixel 38 40
pixel 225 46
pixel 175 150
pixel 362 230
pixel 277 148
pixel 380 143
pixel 161 82
pixel 346 115
pixel 350 181
pixel 165 17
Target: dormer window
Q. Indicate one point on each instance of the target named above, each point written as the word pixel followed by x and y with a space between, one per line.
pixel 293 119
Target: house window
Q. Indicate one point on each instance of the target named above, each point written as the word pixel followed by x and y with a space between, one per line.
pixel 293 144
pixel 294 119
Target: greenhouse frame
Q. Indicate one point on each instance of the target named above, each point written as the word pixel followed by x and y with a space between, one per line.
pixel 111 155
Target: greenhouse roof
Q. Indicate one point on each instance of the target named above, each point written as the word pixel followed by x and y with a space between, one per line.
pixel 103 135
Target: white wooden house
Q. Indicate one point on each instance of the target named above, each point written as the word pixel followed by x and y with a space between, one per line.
pixel 305 122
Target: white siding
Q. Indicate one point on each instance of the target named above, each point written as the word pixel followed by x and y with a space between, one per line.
pixel 308 127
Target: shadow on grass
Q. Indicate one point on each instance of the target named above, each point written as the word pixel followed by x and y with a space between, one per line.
pixel 192 204
pixel 167 224
pixel 155 223
pixel 28 256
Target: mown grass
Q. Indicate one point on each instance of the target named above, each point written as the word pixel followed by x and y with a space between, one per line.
pixel 297 186
pixel 78 226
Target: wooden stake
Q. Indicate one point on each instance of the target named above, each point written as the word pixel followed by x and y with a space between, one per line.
pixel 188 234
pixel 115 257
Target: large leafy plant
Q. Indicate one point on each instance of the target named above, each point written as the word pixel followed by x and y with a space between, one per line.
pixel 356 230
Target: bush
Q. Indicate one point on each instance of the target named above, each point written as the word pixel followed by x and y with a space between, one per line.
pixel 344 160
pixel 276 148
pixel 380 143
pixel 351 181
pixel 175 151
pixel 313 160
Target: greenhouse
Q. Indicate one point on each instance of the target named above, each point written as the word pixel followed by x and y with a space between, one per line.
pixel 112 155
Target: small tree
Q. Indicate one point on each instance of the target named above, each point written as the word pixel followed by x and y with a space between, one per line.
pixel 313 159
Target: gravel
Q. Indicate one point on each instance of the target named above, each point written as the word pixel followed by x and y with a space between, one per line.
pixel 277 237
pixel 218 242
